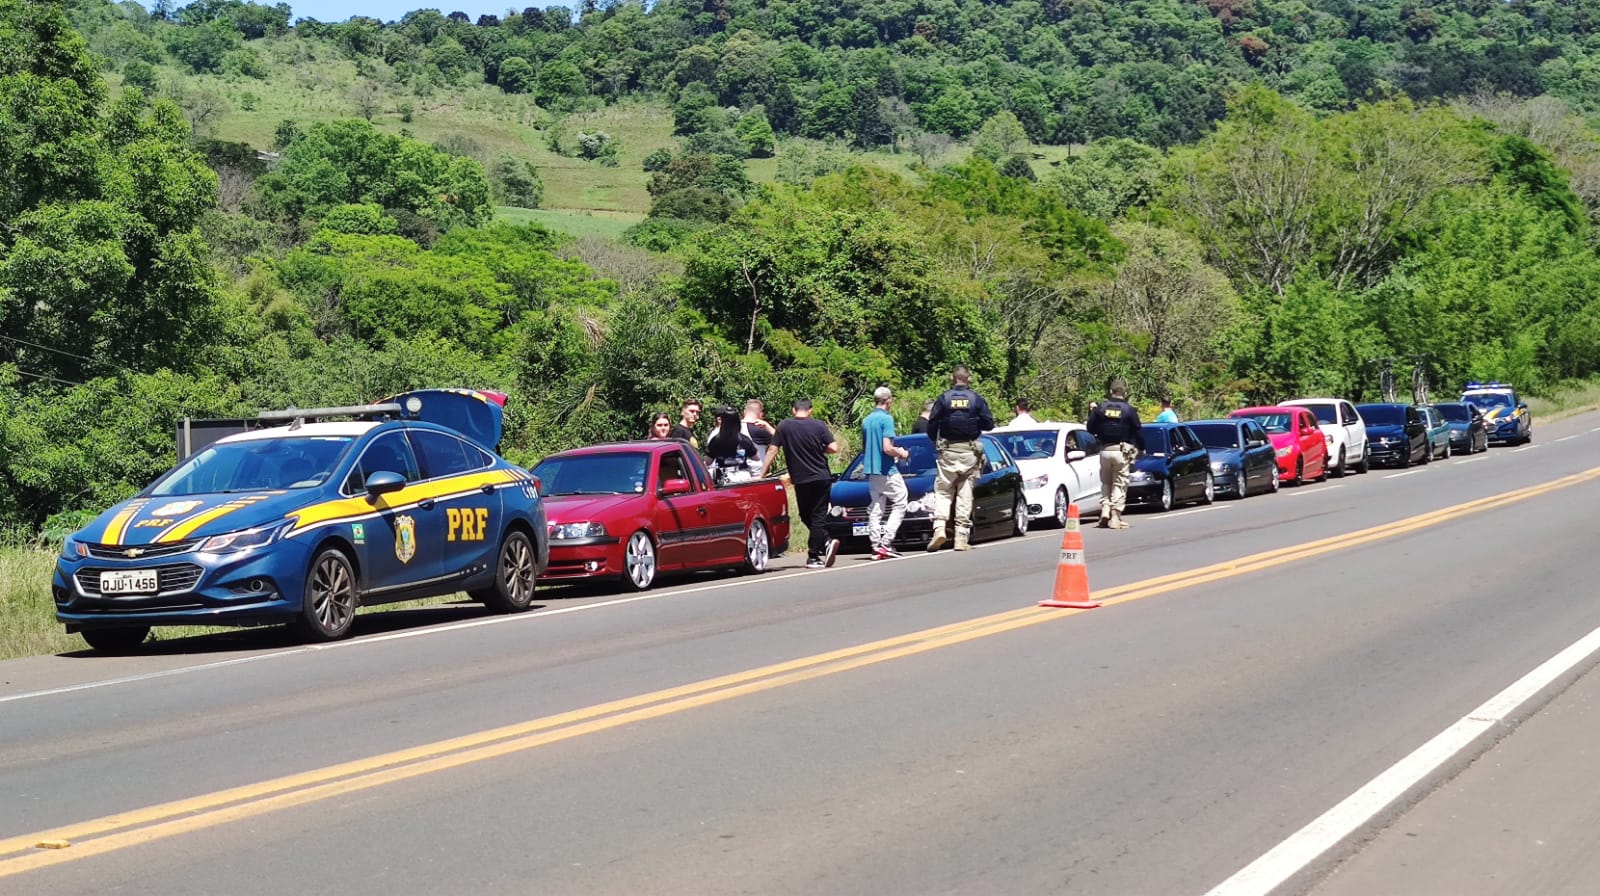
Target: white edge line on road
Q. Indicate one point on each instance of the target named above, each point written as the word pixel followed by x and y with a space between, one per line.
pixel 441 629
pixel 1470 460
pixel 1304 846
pixel 1407 473
pixel 1300 489
pixel 1569 438
pixel 1169 514
pixel 1523 448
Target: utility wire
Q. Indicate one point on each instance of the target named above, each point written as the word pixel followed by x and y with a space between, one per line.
pixel 46 348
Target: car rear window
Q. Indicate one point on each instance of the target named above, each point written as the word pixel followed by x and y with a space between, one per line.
pixel 1216 435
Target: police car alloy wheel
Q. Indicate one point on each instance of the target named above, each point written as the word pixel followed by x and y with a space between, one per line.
pixel 515 577
pixel 331 598
pixel 116 640
pixel 1061 507
pixel 757 547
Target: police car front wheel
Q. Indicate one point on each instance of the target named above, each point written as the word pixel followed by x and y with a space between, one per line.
pixel 331 597
pixel 116 640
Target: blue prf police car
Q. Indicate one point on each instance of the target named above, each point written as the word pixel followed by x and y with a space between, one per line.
pixel 304 523
pixel 1506 416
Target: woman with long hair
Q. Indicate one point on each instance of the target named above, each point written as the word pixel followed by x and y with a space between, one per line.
pixel 660 427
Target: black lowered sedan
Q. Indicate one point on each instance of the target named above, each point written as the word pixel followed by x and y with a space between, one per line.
pixel 1469 433
pixel 1395 434
pixel 1242 457
pixel 1173 468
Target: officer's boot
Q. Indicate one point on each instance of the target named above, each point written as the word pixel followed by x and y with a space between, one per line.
pixel 939 538
pixel 961 540
pixel 1117 522
pixel 1104 520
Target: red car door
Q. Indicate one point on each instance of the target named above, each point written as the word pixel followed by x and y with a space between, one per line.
pixel 683 521
pixel 1313 445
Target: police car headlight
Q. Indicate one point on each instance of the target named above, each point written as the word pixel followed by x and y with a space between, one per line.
pixel 564 531
pixel 1285 451
pixel 835 510
pixel 73 549
pixel 245 539
pixel 1036 482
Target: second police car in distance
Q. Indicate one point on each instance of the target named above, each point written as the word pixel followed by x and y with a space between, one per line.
pixel 1506 416
pixel 307 522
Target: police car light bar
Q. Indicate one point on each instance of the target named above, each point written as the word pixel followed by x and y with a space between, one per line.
pixel 298 416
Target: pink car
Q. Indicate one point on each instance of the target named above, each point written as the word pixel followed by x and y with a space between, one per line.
pixel 1300 447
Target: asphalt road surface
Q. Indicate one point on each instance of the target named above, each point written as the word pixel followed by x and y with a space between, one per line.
pixel 1274 692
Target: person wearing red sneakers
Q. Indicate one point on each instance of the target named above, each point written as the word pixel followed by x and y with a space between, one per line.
pixel 884 482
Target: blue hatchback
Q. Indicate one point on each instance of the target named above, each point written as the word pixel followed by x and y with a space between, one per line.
pixel 305 523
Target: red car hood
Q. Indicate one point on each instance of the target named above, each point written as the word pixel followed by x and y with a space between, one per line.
pixel 586 508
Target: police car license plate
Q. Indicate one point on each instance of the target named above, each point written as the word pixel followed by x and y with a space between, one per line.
pixel 144 581
pixel 858 529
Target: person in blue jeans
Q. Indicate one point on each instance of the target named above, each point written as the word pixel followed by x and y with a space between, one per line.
pixel 884 482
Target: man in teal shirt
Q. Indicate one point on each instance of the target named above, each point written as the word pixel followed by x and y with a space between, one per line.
pixel 884 482
pixel 1167 415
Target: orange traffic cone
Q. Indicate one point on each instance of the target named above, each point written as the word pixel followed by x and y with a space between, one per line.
pixel 1072 576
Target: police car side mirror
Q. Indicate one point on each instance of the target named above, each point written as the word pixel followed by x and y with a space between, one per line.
pixel 383 482
pixel 1522 405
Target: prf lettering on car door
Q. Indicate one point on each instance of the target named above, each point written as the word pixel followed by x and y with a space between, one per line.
pixel 467 524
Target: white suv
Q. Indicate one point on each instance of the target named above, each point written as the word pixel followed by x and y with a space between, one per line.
pixel 1345 431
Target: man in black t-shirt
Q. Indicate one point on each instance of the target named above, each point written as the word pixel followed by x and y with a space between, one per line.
pixel 806 444
pixel 687 420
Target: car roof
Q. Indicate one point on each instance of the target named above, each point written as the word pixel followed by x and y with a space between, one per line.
pixel 346 429
pixel 646 445
pixel 1036 427
pixel 1383 404
pixel 1302 402
pixel 1266 409
pixel 1230 421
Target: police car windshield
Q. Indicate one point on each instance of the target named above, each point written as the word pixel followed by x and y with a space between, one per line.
pixel 1489 400
pixel 1035 444
pixel 1455 413
pixel 1155 441
pixel 924 461
pixel 593 474
pixel 1217 435
pixel 255 465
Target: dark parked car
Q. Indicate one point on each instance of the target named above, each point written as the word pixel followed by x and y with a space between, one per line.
pixel 1173 468
pixel 999 507
pixel 1469 433
pixel 1396 434
pixel 1437 430
pixel 1242 457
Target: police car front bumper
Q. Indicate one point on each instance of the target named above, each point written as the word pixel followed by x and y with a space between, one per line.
pixel 255 587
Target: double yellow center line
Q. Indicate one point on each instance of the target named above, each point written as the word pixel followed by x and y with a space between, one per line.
pixel 30 852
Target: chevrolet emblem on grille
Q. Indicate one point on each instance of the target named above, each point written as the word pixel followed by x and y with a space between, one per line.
pixel 133 552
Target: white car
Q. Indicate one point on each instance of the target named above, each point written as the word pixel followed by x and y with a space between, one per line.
pixel 1060 464
pixel 1344 430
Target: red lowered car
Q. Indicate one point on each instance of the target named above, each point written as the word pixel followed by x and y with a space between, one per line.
pixel 634 509
pixel 1298 443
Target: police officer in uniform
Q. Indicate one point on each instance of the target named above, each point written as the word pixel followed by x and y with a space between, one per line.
pixel 954 424
pixel 1115 423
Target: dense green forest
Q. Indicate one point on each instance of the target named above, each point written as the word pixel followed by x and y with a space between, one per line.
pixel 214 208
